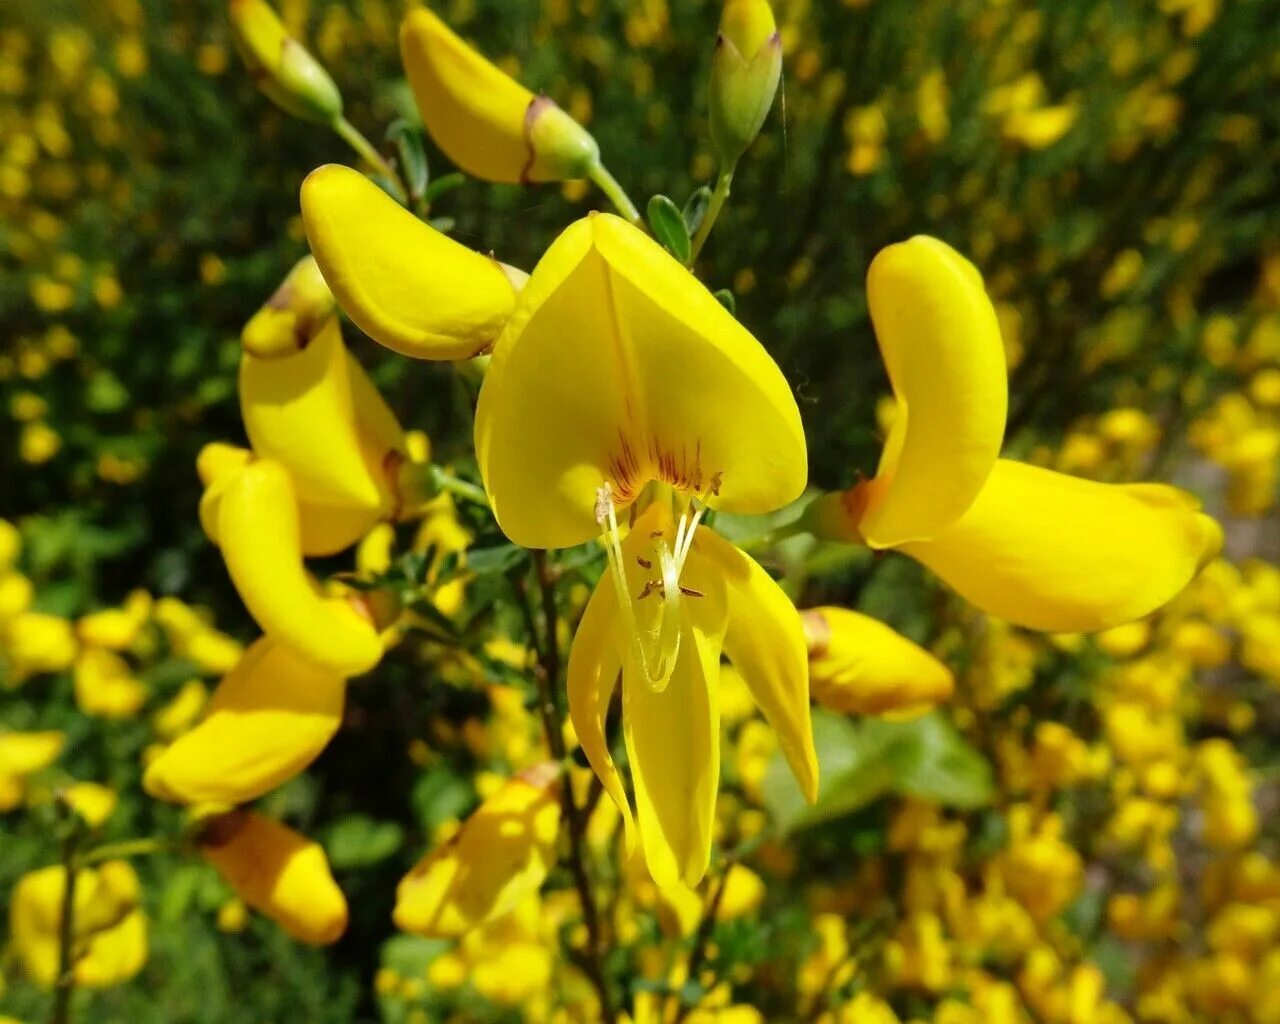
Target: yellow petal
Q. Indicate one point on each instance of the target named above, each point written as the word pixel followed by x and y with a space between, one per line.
pixel 500 856
pixel 114 955
pixel 326 529
pixel 595 660
pixel 279 873
pixel 765 642
pixel 267 721
pixel 673 736
pixel 22 753
pixel 404 284
pixel 858 665
pixel 618 366
pixel 258 530
pixel 673 743
pixel 487 123
pixel 941 345
pixel 219 459
pixel 474 112
pixel 1057 553
pixel 300 410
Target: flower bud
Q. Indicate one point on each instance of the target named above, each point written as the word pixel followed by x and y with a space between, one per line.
pixel 744 76
pixel 858 665
pixel 277 872
pixel 487 123
pixel 282 67
pixel 293 315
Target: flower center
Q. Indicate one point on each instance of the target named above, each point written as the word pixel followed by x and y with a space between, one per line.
pixel 652 650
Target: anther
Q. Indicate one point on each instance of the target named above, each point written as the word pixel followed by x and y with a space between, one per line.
pixel 690 592
pixel 649 587
pixel 644 563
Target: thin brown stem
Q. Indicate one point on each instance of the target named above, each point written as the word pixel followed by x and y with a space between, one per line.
pixel 64 986
pixel 702 937
pixel 547 675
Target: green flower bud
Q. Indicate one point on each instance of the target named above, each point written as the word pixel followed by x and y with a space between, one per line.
pixel 744 76
pixel 281 66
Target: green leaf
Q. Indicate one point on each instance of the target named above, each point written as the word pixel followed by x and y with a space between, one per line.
pixel 696 209
pixel 439 186
pixel 862 761
pixel 726 299
pixel 440 795
pixel 669 228
pixel 502 558
pixel 413 161
pixel 358 841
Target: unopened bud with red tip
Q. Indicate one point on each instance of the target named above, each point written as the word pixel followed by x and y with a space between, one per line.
pixel 744 76
pixel 281 66
pixel 292 316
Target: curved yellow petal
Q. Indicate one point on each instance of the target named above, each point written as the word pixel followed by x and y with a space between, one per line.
pixel 765 642
pixel 325 529
pixel 940 341
pixel 1058 553
pixel 500 856
pixel 618 366
pixel 673 736
pixel 218 459
pixel 279 873
pixel 404 284
pixel 261 544
pixel 673 743
pixel 858 665
pixel 595 659
pixel 267 721
pixel 487 123
pixel 24 753
pixel 300 410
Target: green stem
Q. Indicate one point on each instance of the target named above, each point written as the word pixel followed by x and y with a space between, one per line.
pixel 723 184
pixel 65 984
pixel 608 184
pixel 351 135
pixel 460 488
pixel 126 848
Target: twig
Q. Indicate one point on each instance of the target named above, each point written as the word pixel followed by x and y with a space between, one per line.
pixel 703 935
pixel 65 985
pixel 547 674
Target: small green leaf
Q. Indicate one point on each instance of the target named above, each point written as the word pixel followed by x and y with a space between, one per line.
pixel 695 209
pixel 358 841
pixel 502 558
pixel 862 761
pixel 726 299
pixel 669 228
pixel 413 161
pixel 439 186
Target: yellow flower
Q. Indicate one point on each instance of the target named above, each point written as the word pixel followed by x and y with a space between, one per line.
pixel 110 935
pixel 583 413
pixel 1034 547
pixel 106 685
pixel 37 642
pixel 858 665
pixel 487 123
pixel 501 855
pixel 38 443
pixel 278 873
pixel 446 302
pixel 93 802
pixel 267 720
pixel 295 313
pixel 23 754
